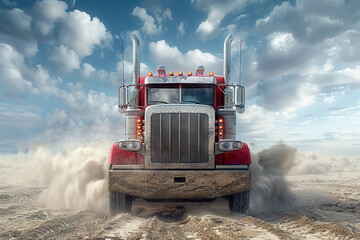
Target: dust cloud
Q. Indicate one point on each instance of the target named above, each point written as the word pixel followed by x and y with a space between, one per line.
pixel 77 178
pixel 270 189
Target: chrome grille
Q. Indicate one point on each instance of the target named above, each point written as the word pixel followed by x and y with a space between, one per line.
pixel 179 138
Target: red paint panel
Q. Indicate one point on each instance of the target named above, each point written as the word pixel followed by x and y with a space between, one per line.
pixel 241 156
pixel 140 159
pixel 219 159
pixel 122 157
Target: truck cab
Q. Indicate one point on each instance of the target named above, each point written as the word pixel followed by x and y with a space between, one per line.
pixel 180 139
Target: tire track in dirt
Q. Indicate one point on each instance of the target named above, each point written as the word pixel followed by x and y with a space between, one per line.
pixel 308 223
pixel 193 227
pixel 269 227
pixel 176 222
pixel 75 225
pixel 123 225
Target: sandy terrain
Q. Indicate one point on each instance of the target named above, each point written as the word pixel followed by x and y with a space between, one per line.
pixel 322 206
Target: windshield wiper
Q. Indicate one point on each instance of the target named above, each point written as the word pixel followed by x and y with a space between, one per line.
pixel 156 101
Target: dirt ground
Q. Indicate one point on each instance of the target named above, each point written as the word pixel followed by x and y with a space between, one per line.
pixel 328 207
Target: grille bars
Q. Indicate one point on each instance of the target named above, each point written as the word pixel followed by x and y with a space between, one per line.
pixel 182 139
pixel 183 133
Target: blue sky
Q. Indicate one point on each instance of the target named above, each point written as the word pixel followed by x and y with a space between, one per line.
pixel 60 66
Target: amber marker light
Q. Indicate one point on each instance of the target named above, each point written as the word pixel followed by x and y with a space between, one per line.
pixel 139 120
pixel 220 133
pixel 189 73
pixel 211 74
pixel 220 127
pixel 150 74
pixel 180 73
pixel 139 133
pixel 171 73
pixel 221 120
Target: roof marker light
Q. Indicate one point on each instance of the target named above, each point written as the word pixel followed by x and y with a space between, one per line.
pixel 150 74
pixel 180 73
pixel 161 70
pixel 211 74
pixel 171 73
pixel 189 73
pixel 200 70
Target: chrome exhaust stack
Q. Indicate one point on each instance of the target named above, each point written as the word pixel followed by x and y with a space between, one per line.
pixel 228 95
pixel 234 93
pixel 136 58
pixel 134 99
pixel 227 58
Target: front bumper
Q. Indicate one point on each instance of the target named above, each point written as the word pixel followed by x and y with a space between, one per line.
pixel 179 184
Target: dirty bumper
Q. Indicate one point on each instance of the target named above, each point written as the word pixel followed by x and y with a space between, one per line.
pixel 168 184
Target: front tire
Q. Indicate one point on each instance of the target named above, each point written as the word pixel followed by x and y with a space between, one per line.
pixel 239 202
pixel 119 203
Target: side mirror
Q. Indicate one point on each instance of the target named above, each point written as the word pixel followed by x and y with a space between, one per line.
pixel 240 99
pixel 122 99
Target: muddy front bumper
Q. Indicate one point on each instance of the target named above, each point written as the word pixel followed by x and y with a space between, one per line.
pixel 180 184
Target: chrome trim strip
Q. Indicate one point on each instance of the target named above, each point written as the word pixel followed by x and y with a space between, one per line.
pixel 198 134
pixel 189 137
pixel 127 167
pixel 160 116
pixel 169 134
pixel 179 137
pixel 242 167
pixel 179 79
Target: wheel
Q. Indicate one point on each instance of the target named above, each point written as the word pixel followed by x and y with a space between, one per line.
pixel 239 202
pixel 119 203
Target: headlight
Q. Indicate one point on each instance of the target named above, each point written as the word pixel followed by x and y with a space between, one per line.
pixel 131 145
pixel 229 145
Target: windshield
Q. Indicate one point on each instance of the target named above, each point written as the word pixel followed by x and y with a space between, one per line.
pixel 187 93
pixel 163 95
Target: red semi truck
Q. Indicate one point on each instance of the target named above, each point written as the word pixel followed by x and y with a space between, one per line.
pixel 180 139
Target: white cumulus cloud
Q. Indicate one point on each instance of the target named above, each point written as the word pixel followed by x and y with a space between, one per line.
pixel 181 29
pixel 46 13
pixel 286 93
pixel 149 27
pixel 65 59
pixel 174 60
pixel 217 10
pixel 18 80
pixel 87 71
pixel 15 30
pixel 82 33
